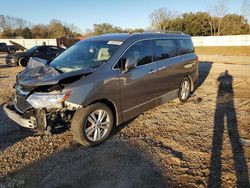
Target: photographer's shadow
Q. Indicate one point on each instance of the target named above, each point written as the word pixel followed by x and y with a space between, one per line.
pixel 225 110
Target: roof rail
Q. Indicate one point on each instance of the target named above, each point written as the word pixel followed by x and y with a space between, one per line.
pixel 166 32
pixel 175 32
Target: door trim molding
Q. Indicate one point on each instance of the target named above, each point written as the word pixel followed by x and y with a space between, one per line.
pixel 156 98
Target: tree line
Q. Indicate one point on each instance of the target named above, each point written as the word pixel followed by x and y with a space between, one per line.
pixel 200 23
pixel 12 27
pixel 214 22
pixel 104 28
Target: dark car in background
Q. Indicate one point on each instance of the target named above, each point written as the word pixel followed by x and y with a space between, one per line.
pixel 104 81
pixel 43 52
pixel 7 48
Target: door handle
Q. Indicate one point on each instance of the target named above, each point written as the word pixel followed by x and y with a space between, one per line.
pixel 152 71
pixel 187 66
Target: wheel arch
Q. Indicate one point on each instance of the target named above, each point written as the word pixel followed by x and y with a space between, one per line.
pixel 191 82
pixel 21 57
pixel 111 105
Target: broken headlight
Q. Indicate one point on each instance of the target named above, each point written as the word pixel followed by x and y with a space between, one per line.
pixel 45 100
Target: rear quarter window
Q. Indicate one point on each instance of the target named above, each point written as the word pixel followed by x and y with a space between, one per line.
pixel 164 48
pixel 186 46
pixel 53 48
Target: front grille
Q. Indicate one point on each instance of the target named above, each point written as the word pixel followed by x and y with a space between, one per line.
pixel 22 104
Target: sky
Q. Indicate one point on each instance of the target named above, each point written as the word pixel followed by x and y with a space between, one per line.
pixel 123 13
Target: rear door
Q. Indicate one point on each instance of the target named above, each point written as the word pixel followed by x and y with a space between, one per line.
pixel 175 60
pixel 165 53
pixel 189 63
pixel 138 85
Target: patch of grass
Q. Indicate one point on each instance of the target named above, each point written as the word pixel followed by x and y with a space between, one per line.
pixel 223 50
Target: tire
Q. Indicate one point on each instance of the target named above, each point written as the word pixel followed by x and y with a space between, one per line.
pixel 85 129
pixel 22 62
pixel 11 51
pixel 184 90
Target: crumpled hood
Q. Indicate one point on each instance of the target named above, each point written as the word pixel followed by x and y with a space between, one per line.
pixel 39 73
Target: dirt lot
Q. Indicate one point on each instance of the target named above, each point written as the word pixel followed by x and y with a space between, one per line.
pixel 223 50
pixel 204 142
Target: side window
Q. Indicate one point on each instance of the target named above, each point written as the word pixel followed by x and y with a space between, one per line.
pixel 164 48
pixel 42 49
pixel 53 48
pixel 186 46
pixel 141 51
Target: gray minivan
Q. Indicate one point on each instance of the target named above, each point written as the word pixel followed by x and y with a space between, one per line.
pixel 104 81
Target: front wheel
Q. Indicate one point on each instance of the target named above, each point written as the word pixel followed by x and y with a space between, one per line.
pixel 23 61
pixel 184 90
pixel 92 125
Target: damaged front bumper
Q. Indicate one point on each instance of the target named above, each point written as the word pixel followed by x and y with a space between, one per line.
pixel 11 112
pixel 40 119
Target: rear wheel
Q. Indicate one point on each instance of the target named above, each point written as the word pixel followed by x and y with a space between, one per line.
pixel 11 51
pixel 184 90
pixel 23 61
pixel 92 125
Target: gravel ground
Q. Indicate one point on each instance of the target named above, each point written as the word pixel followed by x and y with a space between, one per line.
pixel 204 142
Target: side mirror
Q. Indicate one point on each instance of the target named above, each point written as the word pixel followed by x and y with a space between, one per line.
pixel 130 63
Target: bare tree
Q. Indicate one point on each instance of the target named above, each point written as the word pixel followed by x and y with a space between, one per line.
pixel 73 28
pixel 10 22
pixel 161 18
pixel 217 13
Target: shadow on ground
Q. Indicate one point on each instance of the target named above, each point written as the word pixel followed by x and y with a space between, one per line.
pixel 204 69
pixel 113 164
pixel 10 132
pixel 225 111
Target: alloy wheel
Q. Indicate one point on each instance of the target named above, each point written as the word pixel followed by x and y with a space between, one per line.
pixel 96 125
pixel 185 89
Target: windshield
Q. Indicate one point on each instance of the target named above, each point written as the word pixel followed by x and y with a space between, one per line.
pixel 85 54
pixel 32 49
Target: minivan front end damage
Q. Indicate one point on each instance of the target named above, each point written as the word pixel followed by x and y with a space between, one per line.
pixel 13 114
pixel 40 98
pixel 38 110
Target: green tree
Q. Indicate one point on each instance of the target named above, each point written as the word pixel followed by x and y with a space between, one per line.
pixel 195 24
pixel 26 33
pixel 233 24
pixel 39 31
pixel 106 28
